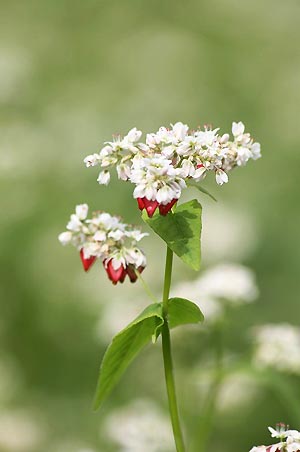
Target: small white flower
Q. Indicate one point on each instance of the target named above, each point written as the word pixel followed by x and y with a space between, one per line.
pixel 100 236
pixel 74 224
pixel 82 211
pixel 104 178
pixel 221 177
pixel 199 173
pixel 92 160
pixel 65 237
pixel 134 135
pixel 136 234
pixel 135 256
pixel 123 170
pixel 256 152
pixel 238 128
pixel 180 130
pixel 116 235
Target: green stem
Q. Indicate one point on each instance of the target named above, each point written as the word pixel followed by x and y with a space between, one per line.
pixel 167 355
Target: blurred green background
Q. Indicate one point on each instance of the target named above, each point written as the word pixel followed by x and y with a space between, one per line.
pixel 72 73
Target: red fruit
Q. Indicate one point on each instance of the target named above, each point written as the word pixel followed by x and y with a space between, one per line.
pixel 131 272
pixel 141 203
pixel 117 275
pixel 87 263
pixel 165 208
pixel 200 165
pixel 150 206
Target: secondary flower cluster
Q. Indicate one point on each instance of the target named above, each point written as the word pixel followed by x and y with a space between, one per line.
pixel 162 165
pixel 289 440
pixel 106 238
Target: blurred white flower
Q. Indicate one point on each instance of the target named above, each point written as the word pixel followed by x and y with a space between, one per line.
pixel 231 282
pixel 236 225
pixel 140 426
pixel 277 346
pixel 19 431
pixel 236 390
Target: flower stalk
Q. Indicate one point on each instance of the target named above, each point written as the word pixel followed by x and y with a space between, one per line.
pixel 167 357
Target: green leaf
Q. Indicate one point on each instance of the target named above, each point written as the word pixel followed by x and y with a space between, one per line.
pixel 194 184
pixel 181 231
pixel 124 348
pixel 182 311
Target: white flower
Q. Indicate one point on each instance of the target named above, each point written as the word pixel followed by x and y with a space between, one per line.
pixel 92 160
pixel 221 177
pixel 256 152
pixel 238 128
pixel 117 235
pixel 180 130
pixel 199 173
pixel 104 178
pixel 135 256
pixel 65 237
pixel 74 224
pixel 278 346
pixel 134 135
pixel 136 234
pixel 100 236
pixel 123 170
pixel 82 211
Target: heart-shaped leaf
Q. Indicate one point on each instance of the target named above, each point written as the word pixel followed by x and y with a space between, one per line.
pixel 182 311
pixel 124 348
pixel 181 231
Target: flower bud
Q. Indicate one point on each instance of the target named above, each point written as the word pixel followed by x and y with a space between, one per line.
pixel 87 262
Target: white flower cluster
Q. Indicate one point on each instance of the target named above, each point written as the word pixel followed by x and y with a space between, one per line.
pixel 289 440
pixel 232 283
pixel 278 346
pixel 161 166
pixel 105 237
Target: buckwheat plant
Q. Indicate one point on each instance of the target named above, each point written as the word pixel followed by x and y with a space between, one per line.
pixel 160 168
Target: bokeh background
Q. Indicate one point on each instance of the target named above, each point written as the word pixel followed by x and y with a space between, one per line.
pixel 73 73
